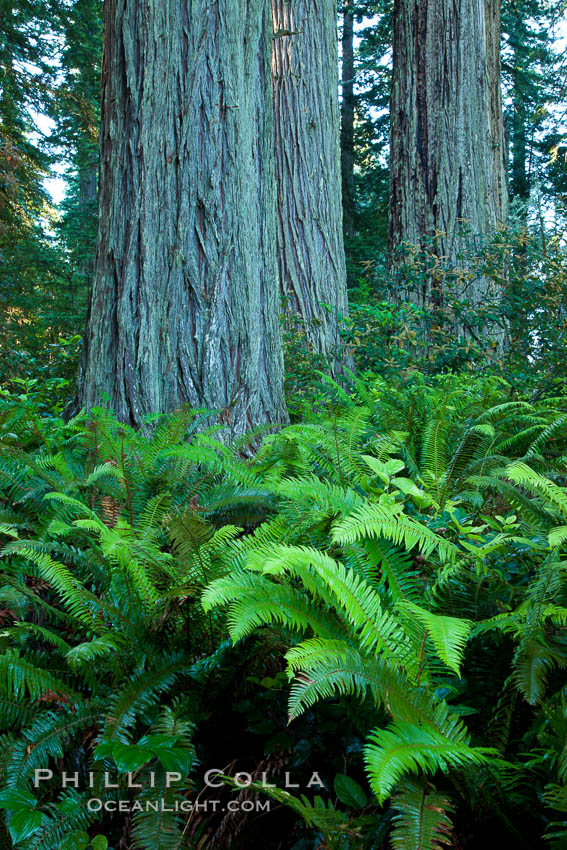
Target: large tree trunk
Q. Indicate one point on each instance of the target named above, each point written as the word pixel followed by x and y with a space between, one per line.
pixel 448 158
pixel 310 240
pixel 184 307
pixel 347 119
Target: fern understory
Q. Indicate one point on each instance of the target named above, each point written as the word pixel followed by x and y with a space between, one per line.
pixel 376 595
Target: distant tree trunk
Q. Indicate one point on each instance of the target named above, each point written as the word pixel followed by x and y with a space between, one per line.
pixel 519 182
pixel 310 240
pixel 448 158
pixel 87 209
pixel 520 187
pixel 87 182
pixel 184 306
pixel 347 119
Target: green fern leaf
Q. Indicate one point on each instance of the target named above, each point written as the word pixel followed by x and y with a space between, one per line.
pixel 405 748
pixel 422 822
pixel 448 634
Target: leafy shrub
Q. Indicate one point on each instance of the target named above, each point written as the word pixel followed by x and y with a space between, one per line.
pixel 388 333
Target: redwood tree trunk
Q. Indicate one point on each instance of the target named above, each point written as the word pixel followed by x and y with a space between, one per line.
pixel 448 158
pixel 184 306
pixel 307 125
pixel 347 119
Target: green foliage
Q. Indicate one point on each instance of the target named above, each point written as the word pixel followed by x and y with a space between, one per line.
pixel 42 287
pixel 402 553
pixel 390 335
pixel 103 599
pixel 379 593
pixel 371 625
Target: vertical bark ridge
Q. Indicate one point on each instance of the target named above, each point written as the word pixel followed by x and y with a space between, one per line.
pixel 311 259
pixel 185 302
pixel 448 168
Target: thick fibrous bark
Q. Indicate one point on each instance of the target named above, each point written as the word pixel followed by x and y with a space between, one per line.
pixel 310 240
pixel 347 119
pixel 448 159
pixel 185 302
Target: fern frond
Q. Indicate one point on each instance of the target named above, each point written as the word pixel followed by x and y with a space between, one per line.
pixel 19 630
pixel 19 676
pixel 448 634
pixel 422 822
pixel 326 668
pixel 397 569
pixel 332 498
pixel 557 536
pixel 69 589
pixel 161 830
pixel 404 748
pixel 546 435
pixel 533 662
pixel 66 818
pixel 138 695
pixel 521 473
pixel 434 446
pixel 356 600
pixel 100 647
pixel 46 738
pixel 188 532
pixel 100 471
pixel 255 601
pixel 388 521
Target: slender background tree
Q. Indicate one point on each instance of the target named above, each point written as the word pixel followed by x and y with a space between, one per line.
pixel 347 118
pixel 76 111
pixel 33 272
